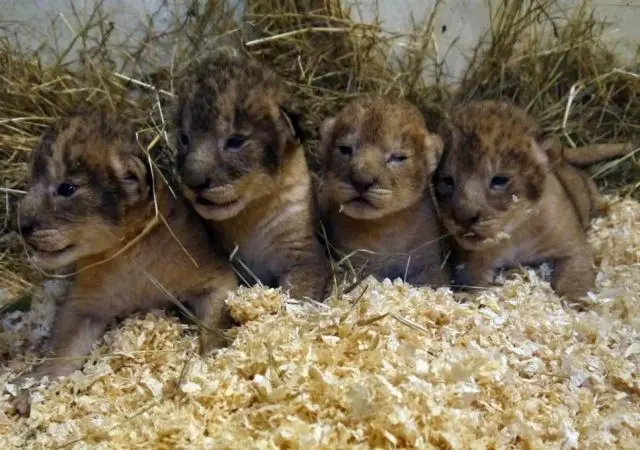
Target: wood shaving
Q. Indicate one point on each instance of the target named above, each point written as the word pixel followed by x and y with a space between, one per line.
pixel 389 366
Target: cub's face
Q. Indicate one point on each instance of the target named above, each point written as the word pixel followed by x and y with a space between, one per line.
pixel 491 174
pixel 232 135
pixel 378 157
pixel 85 178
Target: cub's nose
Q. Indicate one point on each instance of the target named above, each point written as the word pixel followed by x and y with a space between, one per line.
pixel 196 180
pixel 196 183
pixel 466 216
pixel 362 184
pixel 194 170
pixel 25 225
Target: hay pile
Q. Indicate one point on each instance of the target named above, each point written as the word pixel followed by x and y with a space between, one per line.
pixel 388 365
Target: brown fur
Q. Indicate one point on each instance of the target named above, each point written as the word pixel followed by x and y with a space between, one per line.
pixel 507 201
pixel 244 170
pixel 374 194
pixel 111 205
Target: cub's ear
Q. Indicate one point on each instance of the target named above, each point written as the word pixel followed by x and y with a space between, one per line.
pixel 551 147
pixel 292 119
pixel 326 129
pixel 539 167
pixel 435 148
pixel 42 151
pixel 326 133
pixel 545 150
pixel 135 178
pixel 449 134
pixel 45 144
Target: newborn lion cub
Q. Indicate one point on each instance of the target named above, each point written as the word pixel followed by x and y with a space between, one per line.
pixel 508 200
pixel 374 194
pixel 90 195
pixel 245 172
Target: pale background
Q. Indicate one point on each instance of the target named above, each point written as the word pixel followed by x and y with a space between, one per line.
pixel 466 20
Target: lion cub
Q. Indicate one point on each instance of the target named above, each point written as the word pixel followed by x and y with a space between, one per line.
pixel 374 198
pixel 507 199
pixel 90 205
pixel 245 172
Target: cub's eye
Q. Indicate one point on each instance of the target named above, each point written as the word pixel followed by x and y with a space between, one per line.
pixel 235 142
pixel 397 157
pixel 499 182
pixel 130 177
pixel 445 185
pixel 184 139
pixel 345 150
pixel 67 189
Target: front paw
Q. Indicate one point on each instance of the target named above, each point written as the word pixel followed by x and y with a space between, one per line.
pixel 578 299
pixel 466 296
pixel 211 340
pixel 21 403
pixel 50 369
pixel 465 277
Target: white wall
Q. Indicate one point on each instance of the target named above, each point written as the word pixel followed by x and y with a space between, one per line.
pixel 462 22
pixel 33 20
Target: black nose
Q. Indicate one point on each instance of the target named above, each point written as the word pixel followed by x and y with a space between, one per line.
pixel 362 184
pixel 25 225
pixel 195 181
pixel 200 187
pixel 466 217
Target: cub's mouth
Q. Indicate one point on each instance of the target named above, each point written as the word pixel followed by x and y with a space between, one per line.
pixel 470 240
pixel 361 200
pixel 48 250
pixel 216 196
pixel 200 200
pixel 48 242
pixel 473 240
pixel 362 208
pixel 218 204
pixel 472 236
pixel 49 257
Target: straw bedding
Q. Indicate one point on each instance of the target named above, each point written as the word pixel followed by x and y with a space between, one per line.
pixel 388 365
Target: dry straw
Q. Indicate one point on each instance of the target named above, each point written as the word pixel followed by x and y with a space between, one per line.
pixel 344 361
pixel 556 65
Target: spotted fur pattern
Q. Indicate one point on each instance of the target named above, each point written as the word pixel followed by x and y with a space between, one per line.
pixel 89 200
pixel 243 168
pixel 506 200
pixel 374 196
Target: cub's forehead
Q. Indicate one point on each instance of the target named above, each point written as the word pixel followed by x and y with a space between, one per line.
pixel 223 88
pixel 78 144
pixel 495 132
pixel 376 121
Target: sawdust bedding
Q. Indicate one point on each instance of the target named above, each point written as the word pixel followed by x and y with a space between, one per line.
pixel 390 366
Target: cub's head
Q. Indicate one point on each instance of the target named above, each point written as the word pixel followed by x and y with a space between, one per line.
pixel 87 179
pixel 378 157
pixel 233 134
pixel 493 170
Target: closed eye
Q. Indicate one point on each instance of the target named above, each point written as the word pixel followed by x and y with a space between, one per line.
pixel 397 157
pixel 131 177
pixel 499 182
